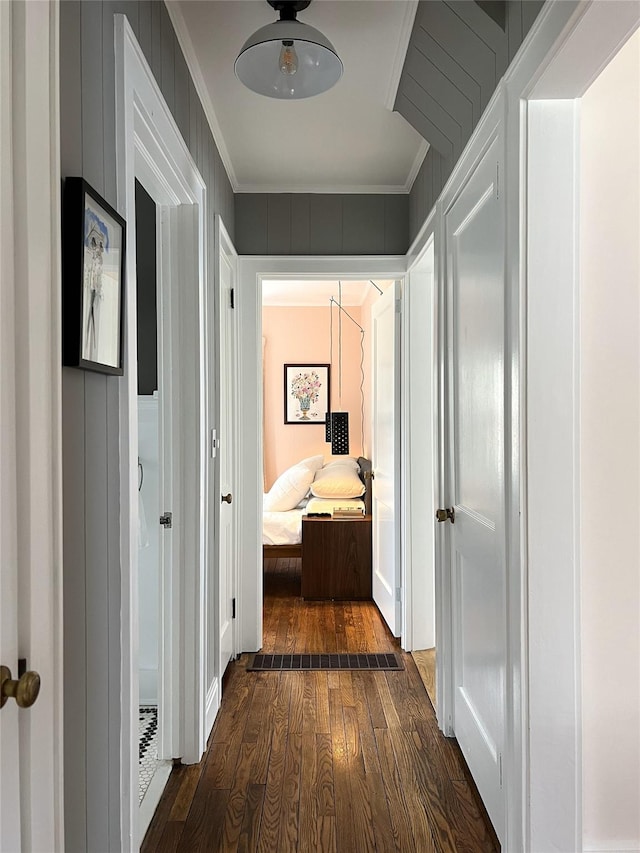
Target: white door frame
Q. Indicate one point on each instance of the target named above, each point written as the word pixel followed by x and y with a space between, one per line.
pixel 420 435
pixel 31 426
pixel 570 46
pixel 252 271
pixel 224 252
pixel 149 145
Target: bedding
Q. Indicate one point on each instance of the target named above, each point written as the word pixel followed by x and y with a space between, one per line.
pixel 292 485
pixel 285 528
pixel 337 481
pixel 311 486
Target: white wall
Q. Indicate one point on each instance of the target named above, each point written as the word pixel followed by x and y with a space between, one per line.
pixel 149 556
pixel 610 453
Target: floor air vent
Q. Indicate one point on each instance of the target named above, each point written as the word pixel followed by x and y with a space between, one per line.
pixel 363 662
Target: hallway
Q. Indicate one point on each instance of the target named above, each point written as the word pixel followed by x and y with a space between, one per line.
pixel 341 762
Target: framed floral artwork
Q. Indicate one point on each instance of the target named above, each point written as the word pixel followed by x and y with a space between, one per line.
pixel 93 247
pixel 306 393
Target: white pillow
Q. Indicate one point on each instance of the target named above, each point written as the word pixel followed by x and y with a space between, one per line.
pixel 292 485
pixel 349 461
pixel 337 481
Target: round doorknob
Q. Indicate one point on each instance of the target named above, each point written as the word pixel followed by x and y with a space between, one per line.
pixel 227 499
pixel 24 690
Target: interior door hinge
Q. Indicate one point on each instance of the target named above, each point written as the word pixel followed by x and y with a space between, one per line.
pixel 398 306
pixel 233 608
pixel 500 766
pixel 398 593
pixel 497 180
pixel 232 297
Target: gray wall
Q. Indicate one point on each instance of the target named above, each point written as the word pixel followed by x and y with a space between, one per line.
pixel 457 54
pixel 308 224
pixel 90 405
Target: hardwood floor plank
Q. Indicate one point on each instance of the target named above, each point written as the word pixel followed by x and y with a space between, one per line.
pixel 184 797
pixel 425 661
pixel 336 762
pixel 345 837
pixel 469 827
pixel 308 813
pixel 288 828
pixel 325 793
pixel 234 814
pixel 203 828
pixel 171 836
pixel 248 840
pixel 327 834
pixel 309 702
pixel 401 826
pixel 272 804
pixel 322 703
pixel 160 818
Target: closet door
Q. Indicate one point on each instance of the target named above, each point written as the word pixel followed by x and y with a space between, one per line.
pixel 475 307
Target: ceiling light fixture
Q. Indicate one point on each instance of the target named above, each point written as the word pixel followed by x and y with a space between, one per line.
pixel 288 59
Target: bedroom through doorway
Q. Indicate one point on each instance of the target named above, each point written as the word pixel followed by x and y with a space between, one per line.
pixel 317 338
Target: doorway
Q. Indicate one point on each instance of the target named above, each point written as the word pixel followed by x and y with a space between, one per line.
pixel 153 770
pixel 150 149
pixel 327 325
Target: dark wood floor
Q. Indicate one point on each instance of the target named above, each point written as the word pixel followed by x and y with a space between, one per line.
pixel 322 761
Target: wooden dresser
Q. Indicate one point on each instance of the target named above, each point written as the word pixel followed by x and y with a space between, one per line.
pixel 336 558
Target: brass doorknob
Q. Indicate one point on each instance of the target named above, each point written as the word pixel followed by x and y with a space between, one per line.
pixel 448 514
pixel 227 499
pixel 24 690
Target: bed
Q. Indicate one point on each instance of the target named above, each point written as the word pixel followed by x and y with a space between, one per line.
pixel 282 529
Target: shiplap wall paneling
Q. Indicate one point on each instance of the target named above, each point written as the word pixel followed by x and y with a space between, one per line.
pixel 457 54
pixel 91 407
pixel 321 224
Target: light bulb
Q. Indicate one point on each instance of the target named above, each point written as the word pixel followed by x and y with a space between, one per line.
pixel 288 58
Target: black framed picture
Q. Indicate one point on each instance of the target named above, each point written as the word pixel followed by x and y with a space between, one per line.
pixel 306 393
pixel 93 257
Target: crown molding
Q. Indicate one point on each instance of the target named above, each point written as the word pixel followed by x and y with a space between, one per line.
pixel 417 163
pixel 184 40
pixel 401 52
pixel 324 189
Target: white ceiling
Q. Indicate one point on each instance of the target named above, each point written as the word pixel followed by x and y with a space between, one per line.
pixel 305 294
pixel 345 140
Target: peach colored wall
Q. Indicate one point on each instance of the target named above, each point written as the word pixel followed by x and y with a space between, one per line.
pixel 300 336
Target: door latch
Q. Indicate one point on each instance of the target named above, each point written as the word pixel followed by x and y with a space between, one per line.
pixel 448 514
pixel 166 519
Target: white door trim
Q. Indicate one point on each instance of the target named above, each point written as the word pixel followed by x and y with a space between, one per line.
pixel 567 48
pixel 419 417
pixel 149 145
pixel 252 271
pixel 30 347
pixel 224 252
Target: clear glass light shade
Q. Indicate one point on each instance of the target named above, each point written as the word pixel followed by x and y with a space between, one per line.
pixel 259 64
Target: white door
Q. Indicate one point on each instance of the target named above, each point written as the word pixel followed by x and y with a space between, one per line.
pixel 30 450
pixel 386 585
pixel 227 436
pixel 476 485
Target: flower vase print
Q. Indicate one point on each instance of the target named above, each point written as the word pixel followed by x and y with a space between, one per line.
pixel 306 393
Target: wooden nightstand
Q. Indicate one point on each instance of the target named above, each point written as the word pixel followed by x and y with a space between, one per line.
pixel 336 557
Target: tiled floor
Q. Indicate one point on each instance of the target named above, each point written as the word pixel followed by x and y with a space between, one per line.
pixel 148 732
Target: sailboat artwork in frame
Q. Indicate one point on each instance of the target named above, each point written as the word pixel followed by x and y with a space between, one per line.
pixel 306 393
pixel 93 252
